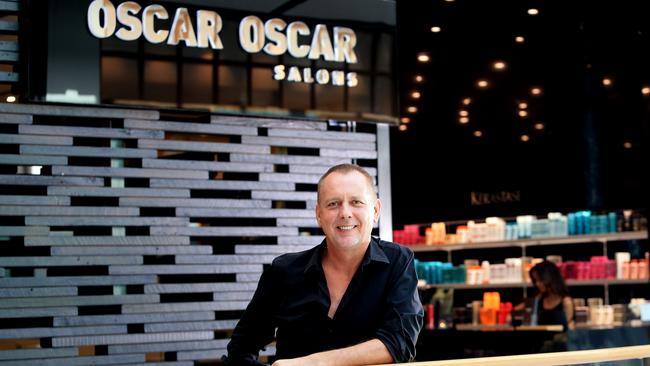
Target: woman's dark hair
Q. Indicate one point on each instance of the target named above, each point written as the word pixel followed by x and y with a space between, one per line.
pixel 550 275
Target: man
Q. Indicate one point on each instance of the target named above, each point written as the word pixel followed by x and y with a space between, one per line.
pixel 352 300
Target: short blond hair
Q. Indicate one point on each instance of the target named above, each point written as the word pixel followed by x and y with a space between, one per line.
pixel 344 169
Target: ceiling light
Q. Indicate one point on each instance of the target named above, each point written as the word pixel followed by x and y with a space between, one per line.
pixel 467 101
pixel 523 114
pixel 412 109
pixel 419 78
pixel 524 138
pixel 645 90
pixel 463 120
pixel 482 83
pixel 423 57
pixel 536 91
pixel 499 65
pixel 519 39
pixel 415 95
pixel 405 120
pixel 11 99
pixel 607 81
pixel 435 29
pixel 533 11
pixel 523 105
pixel 627 145
pixel 478 133
pixel 463 113
pixel 403 127
pixel 539 126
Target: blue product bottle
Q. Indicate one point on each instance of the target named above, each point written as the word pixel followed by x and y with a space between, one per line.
pixel 611 222
pixel 587 222
pixel 580 223
pixel 571 223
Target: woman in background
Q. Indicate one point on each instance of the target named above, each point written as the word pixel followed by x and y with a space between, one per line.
pixel 552 304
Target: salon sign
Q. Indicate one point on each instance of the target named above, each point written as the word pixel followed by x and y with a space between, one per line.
pixel 129 21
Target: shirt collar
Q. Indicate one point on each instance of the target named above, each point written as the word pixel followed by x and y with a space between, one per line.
pixel 374 253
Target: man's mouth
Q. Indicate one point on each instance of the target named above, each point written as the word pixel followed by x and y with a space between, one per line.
pixel 346 228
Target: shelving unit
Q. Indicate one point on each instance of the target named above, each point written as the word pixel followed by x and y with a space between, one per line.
pixel 525 243
pixel 574 239
pixel 603 282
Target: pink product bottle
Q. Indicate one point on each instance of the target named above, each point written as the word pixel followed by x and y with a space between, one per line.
pixel 626 270
pixel 634 269
pixel 583 270
pixel 643 269
pixel 598 267
pixel 611 269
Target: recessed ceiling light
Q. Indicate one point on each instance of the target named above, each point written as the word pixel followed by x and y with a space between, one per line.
pixel 403 127
pixel 499 65
pixel 539 126
pixel 423 57
pixel 436 29
pixel 627 145
pixel 463 120
pixel 523 105
pixel 467 101
pixel 412 109
pixel 607 81
pixel 519 39
pixel 416 95
pixel 419 78
pixel 523 113
pixel 478 133
pixel 535 91
pixel 405 120
pixel 645 90
pixel 524 138
pixel 533 11
pixel 463 113
pixel 482 83
pixel 11 99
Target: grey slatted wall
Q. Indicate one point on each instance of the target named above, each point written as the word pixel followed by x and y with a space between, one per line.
pixel 127 237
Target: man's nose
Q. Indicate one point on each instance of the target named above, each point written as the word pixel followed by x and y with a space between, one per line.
pixel 346 212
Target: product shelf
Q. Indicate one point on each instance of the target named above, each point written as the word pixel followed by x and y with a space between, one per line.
pixel 598 282
pixel 573 239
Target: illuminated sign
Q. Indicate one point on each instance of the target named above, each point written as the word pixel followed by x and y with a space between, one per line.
pixel 129 21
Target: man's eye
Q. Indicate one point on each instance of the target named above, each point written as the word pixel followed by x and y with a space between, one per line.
pixel 357 202
pixel 332 204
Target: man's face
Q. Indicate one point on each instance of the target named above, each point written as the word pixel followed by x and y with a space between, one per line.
pixel 347 210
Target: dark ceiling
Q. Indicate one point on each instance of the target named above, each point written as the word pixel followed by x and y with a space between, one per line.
pixel 580 143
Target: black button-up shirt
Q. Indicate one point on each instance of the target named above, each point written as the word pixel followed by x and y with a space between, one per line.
pixel 380 302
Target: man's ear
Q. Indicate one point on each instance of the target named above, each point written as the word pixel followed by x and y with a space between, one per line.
pixel 377 210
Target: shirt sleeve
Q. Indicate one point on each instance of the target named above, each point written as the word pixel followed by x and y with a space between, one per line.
pixel 256 328
pixel 404 316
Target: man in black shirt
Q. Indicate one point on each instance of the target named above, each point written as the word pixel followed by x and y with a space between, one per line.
pixel 352 300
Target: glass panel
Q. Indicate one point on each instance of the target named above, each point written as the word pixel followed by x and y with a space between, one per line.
pixel 232 85
pixel 359 96
pixel 116 44
pixel 265 89
pixel 329 97
pixel 231 51
pixel 198 53
pixel 296 96
pixel 160 81
pixel 363 49
pixel 197 83
pixel 119 79
pixel 159 49
pixel 383 95
pixel 384 54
